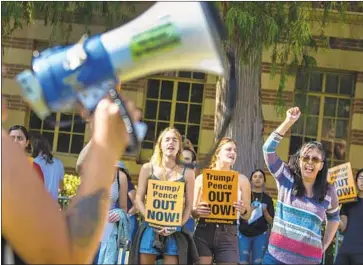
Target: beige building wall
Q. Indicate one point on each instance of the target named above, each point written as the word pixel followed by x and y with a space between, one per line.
pixel 346 54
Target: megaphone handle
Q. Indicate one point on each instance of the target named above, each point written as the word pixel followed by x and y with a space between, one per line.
pixel 134 143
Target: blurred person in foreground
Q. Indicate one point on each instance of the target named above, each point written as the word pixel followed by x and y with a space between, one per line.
pixel 33 228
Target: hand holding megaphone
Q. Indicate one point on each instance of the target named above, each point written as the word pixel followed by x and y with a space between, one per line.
pixel 107 129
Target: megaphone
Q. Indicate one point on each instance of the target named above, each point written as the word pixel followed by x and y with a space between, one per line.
pixel 168 36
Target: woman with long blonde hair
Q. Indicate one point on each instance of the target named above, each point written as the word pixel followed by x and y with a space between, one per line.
pixel 219 242
pixel 164 165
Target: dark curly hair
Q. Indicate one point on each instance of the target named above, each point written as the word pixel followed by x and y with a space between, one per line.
pixel 320 186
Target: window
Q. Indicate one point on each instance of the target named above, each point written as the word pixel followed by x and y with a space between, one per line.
pixel 174 102
pixel 325 100
pixel 67 139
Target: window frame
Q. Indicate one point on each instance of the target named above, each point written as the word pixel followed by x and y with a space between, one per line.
pixel 144 153
pixel 57 131
pixel 322 96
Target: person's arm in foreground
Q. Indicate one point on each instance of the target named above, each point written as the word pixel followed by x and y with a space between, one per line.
pixel 31 220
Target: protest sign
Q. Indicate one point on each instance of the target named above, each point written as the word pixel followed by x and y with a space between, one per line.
pixel 342 178
pixel 220 191
pixel 164 203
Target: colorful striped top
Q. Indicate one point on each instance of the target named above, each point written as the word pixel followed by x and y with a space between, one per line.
pixel 296 234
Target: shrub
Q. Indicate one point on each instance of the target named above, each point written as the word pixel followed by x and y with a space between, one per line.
pixel 71 185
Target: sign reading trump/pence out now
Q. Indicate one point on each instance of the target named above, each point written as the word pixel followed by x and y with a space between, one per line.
pixel 220 191
pixel 164 203
pixel 342 178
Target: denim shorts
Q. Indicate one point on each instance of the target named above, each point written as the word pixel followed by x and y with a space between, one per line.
pixel 146 245
pixel 219 241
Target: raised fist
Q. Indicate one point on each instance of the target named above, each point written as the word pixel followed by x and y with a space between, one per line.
pixel 293 114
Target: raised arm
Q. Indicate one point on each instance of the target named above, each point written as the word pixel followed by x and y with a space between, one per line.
pixel 29 212
pixel 273 162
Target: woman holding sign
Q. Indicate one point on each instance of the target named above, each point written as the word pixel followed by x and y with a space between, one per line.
pixel 216 240
pixel 163 203
pixel 304 201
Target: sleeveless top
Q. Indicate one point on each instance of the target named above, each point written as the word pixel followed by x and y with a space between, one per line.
pixel 182 179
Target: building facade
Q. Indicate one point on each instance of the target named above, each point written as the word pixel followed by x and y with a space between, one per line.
pixel 331 96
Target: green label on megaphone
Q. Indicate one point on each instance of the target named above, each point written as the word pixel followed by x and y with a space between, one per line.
pixel 156 39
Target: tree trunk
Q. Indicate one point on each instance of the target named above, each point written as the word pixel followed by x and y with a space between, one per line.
pixel 246 127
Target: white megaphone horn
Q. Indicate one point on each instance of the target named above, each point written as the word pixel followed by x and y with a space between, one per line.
pixel 168 36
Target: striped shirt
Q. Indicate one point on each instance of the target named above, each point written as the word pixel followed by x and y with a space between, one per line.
pixel 296 234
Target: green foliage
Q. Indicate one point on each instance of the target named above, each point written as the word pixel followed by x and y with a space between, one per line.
pixel 61 15
pixel 283 27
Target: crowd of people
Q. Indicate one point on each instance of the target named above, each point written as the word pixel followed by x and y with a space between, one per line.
pixel 108 211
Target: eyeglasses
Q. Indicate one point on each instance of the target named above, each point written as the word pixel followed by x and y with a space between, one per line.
pixel 314 160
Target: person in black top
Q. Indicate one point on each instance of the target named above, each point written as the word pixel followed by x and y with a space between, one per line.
pixel 33 230
pixel 351 223
pixel 253 235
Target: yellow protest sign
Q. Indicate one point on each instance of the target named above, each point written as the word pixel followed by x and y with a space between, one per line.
pixel 343 180
pixel 220 191
pixel 164 203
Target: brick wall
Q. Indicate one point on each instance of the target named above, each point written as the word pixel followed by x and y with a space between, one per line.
pixel 346 44
pixel 358 105
pixel 359 76
pixel 356 137
pixel 11 70
pixel 18 43
pixel 210 91
pixel 208 122
pixel 270 126
pixel 15 102
pixel 135 85
pixel 268 97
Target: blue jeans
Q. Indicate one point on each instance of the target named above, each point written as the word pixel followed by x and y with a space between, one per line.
pixel 252 249
pixel 269 259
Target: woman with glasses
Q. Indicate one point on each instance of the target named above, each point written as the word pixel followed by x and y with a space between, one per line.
pixel 219 242
pixel 305 200
pixel 20 136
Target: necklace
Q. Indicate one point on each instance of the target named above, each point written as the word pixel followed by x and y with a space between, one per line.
pixel 256 199
pixel 166 174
